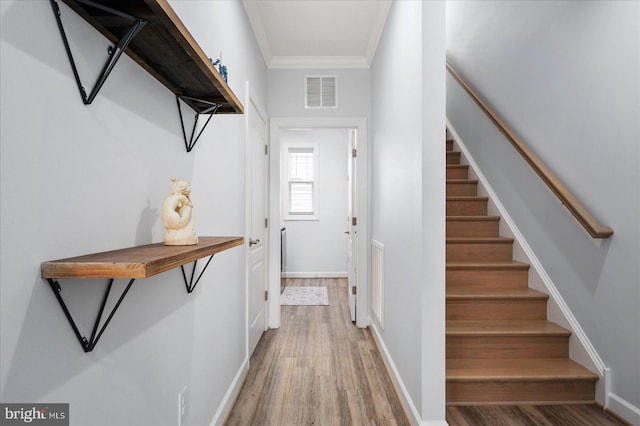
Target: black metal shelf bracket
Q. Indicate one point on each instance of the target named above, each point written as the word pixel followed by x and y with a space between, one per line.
pixel 114 52
pixel 89 344
pixel 190 284
pixel 201 107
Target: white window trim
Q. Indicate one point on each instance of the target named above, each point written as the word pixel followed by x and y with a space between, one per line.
pixel 287 215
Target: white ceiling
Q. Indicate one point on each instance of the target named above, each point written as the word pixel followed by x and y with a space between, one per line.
pixel 317 33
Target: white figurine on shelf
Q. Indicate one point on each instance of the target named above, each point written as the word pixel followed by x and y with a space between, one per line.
pixel 177 215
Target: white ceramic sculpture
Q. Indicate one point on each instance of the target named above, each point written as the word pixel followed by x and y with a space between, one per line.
pixel 177 215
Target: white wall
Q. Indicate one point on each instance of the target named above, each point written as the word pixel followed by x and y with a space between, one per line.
pixel 80 179
pixel 407 178
pixel 317 248
pixel 566 77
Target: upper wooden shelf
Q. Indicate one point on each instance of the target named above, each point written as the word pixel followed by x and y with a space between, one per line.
pixel 164 47
pixel 136 262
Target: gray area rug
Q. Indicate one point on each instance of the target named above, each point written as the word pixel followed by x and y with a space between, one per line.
pixel 310 295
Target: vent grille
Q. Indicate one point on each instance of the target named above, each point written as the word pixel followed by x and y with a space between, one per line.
pixel 321 92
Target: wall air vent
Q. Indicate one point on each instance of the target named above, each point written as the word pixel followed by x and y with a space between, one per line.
pixel 321 92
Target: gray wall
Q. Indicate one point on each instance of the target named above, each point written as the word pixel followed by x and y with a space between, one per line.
pixel 80 179
pixel 286 93
pixel 566 77
pixel 286 109
pixel 407 196
pixel 319 247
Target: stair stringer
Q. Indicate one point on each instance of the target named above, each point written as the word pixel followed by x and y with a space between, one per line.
pixel 580 348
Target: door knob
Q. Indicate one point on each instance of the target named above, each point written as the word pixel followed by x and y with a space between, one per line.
pixel 347 232
pixel 253 242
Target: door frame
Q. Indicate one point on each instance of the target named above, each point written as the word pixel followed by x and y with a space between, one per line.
pixel 251 99
pixel 276 124
pixel 352 230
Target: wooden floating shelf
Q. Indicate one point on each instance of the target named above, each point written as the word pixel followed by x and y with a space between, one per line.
pixel 165 48
pixel 136 262
pixel 130 263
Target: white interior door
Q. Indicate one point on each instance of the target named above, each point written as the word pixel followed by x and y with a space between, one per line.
pixel 257 179
pixel 352 233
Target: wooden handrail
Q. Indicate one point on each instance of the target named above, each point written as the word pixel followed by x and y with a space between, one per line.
pixel 592 226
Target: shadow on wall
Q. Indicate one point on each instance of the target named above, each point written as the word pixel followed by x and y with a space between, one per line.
pixel 148 217
pixel 128 86
pixel 48 354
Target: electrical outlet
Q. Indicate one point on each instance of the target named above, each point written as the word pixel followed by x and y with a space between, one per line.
pixel 182 406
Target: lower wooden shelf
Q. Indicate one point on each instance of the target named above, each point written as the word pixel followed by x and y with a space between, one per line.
pixel 136 262
pixel 130 263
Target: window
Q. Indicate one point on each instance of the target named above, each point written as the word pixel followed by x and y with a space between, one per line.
pixel 301 193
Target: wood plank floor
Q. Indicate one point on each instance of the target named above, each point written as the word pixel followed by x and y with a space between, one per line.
pixel 530 415
pixel 317 369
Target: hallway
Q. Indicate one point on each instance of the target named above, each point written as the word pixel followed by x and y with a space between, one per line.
pixel 317 369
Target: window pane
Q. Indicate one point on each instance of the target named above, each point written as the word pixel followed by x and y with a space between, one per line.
pixel 301 164
pixel 301 197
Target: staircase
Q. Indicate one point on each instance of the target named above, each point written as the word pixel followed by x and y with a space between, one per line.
pixel 500 347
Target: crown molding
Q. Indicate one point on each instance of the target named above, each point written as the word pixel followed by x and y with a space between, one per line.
pixel 377 28
pixel 320 62
pixel 258 29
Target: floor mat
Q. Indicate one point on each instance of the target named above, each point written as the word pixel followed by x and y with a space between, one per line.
pixel 310 295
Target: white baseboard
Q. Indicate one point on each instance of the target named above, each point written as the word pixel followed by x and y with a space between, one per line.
pixel 316 274
pixel 407 403
pixel 623 409
pixel 582 351
pixel 230 397
pixel 409 407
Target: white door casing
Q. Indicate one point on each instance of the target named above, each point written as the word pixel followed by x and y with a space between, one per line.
pixel 352 230
pixel 257 179
pixel 362 201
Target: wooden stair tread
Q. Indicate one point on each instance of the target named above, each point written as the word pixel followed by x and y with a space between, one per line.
pixel 494 294
pixel 532 369
pixel 472 225
pixel 504 328
pixel 460 181
pixel 473 218
pixel 486 265
pixel 479 240
pixel 466 198
pixel 453 157
pixel 457 171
